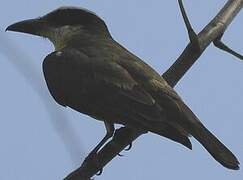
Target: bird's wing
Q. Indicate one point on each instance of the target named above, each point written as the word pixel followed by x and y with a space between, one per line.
pixel 76 70
pixel 52 72
pixel 70 65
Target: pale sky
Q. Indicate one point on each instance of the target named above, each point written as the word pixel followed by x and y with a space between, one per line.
pixel 40 144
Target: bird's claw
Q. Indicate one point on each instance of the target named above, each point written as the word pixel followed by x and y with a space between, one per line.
pixel 120 155
pixel 126 149
pixel 99 172
pixel 129 147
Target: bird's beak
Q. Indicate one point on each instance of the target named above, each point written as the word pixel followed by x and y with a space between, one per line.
pixel 31 26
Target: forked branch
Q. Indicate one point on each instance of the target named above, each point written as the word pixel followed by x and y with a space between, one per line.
pixel 209 34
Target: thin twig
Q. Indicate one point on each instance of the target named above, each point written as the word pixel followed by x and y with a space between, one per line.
pixel 191 33
pixel 219 44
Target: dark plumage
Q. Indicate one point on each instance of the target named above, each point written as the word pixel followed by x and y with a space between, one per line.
pixel 93 74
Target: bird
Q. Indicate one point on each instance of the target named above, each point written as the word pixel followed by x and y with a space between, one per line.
pixel 93 74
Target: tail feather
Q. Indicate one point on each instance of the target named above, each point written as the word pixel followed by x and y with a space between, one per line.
pixel 217 149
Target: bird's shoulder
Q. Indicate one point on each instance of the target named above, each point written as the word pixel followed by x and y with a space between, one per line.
pixel 98 68
pixel 74 65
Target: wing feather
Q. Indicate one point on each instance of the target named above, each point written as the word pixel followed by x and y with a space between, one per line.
pixel 61 67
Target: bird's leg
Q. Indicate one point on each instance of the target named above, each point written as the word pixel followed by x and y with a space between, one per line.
pixel 109 133
pixel 93 154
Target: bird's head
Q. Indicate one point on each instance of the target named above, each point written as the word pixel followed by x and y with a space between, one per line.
pixel 62 25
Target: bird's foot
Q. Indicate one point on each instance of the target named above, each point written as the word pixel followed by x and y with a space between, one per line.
pixel 126 149
pixel 99 172
pixel 129 147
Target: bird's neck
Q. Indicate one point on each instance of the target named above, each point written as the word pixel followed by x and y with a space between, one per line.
pixel 71 35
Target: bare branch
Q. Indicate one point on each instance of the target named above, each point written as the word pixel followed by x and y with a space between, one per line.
pixel 191 33
pixel 189 56
pixel 211 32
pixel 219 44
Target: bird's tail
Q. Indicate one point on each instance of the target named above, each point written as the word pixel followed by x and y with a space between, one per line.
pixel 217 149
